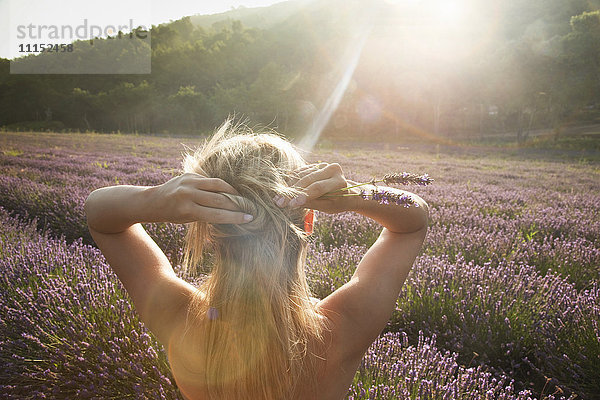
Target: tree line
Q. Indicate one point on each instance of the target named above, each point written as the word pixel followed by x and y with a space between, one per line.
pixel 540 68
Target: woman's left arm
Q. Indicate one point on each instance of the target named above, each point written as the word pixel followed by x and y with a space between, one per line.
pixel 114 215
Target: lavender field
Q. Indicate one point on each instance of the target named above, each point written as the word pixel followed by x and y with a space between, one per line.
pixel 503 302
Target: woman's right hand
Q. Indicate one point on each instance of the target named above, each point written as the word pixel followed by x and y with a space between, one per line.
pixel 315 180
pixel 192 197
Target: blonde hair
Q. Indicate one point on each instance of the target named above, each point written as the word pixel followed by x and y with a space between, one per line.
pixel 252 319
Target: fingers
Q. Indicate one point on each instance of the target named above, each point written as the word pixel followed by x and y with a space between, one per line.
pixel 311 167
pixel 315 182
pixel 212 184
pixel 219 215
pixel 214 200
pixel 305 170
pixel 320 174
pixel 207 193
pixel 296 175
pixel 319 188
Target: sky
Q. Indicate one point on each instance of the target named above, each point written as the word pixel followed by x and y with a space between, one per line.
pixel 60 13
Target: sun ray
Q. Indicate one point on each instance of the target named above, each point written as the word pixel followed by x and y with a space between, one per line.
pixel 348 63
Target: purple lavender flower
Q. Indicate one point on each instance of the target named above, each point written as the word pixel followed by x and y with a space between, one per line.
pixel 386 197
pixel 405 178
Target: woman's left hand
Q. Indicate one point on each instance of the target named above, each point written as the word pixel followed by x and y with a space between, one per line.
pixel 192 197
pixel 317 180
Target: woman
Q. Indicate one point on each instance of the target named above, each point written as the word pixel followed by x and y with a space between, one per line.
pixel 251 330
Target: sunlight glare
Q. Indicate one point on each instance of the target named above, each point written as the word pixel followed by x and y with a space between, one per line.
pixel 401 2
pixel 348 64
pixel 450 12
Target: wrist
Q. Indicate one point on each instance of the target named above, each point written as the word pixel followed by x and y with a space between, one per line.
pixel 359 204
pixel 146 205
pixel 355 202
pixel 113 209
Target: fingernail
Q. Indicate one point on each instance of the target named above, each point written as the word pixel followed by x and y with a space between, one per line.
pixel 248 217
pixel 301 199
pixel 298 201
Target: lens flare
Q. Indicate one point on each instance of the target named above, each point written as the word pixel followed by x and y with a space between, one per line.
pixel 348 65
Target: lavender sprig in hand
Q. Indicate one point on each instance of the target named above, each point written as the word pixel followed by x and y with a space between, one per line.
pixel 404 178
pixel 387 197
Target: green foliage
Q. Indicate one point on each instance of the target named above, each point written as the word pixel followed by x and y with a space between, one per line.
pixel 587 23
pixel 582 56
pixel 12 152
pixel 52 126
pixel 278 66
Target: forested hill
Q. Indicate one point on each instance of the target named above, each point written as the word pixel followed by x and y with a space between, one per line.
pixel 256 17
pixel 512 66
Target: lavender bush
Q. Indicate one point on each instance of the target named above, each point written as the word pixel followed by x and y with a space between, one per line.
pixel 68 328
pixel 510 315
pixel 505 293
pixel 395 370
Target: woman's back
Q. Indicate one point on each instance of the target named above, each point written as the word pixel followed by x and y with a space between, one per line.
pixel 334 376
pixel 357 312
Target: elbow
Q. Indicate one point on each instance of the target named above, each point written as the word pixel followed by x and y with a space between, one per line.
pixel 88 207
pixel 426 212
pixel 425 207
pixel 87 204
